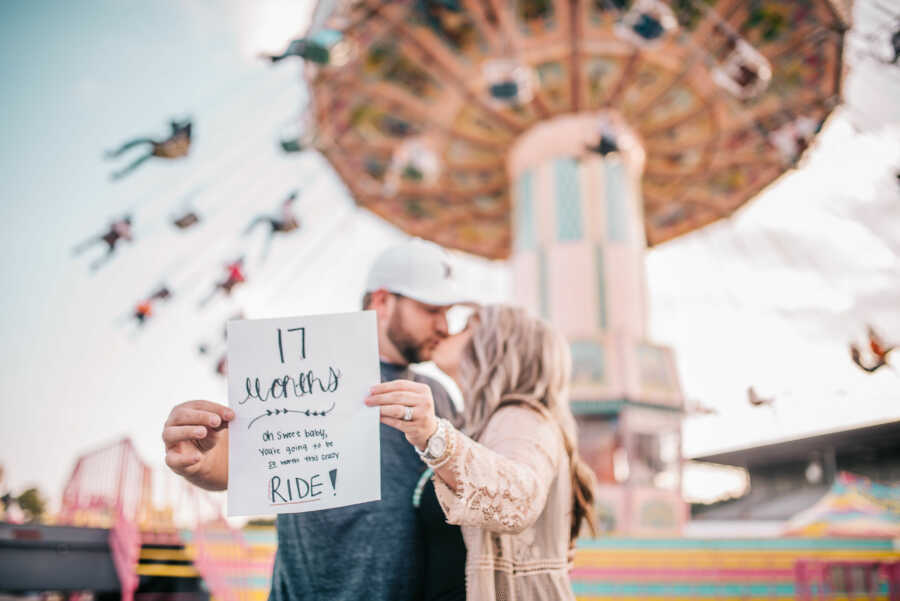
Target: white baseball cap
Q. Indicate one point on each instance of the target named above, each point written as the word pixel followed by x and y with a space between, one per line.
pixel 417 269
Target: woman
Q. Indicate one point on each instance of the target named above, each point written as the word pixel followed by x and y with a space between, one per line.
pixel 512 480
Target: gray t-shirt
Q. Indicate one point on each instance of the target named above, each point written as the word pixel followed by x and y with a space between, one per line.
pixel 367 551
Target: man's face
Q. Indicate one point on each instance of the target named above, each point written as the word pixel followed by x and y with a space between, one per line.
pixel 415 328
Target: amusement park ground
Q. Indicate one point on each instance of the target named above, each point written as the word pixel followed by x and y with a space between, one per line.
pixel 236 565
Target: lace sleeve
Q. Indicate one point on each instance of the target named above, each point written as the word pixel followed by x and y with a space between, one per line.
pixel 503 481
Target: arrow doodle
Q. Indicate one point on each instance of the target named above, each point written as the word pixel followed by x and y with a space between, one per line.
pixel 284 411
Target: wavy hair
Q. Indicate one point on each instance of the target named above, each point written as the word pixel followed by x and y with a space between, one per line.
pixel 516 358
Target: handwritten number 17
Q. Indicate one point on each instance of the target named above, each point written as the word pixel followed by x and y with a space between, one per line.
pixel 302 342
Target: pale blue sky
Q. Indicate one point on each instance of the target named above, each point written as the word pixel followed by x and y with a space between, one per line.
pixel 81 77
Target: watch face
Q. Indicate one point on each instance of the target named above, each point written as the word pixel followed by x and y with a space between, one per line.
pixel 437 446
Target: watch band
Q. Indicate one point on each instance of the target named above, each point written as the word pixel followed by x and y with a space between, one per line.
pixel 448 452
pixel 440 432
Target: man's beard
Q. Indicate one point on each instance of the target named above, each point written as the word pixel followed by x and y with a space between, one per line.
pixel 409 348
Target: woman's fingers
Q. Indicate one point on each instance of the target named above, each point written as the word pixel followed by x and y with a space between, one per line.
pixel 398 385
pixel 402 392
pixel 394 398
pixel 417 429
pixel 393 422
pixel 398 411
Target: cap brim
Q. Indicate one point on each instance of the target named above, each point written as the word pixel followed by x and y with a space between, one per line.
pixel 439 298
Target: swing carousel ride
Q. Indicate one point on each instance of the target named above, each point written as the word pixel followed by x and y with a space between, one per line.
pixel 567 137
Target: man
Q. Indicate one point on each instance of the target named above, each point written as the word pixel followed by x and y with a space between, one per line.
pixel 285 223
pixel 235 271
pixel 371 550
pixel 176 146
pixel 118 230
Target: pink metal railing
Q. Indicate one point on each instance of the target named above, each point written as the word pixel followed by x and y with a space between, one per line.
pixel 107 488
pixel 111 487
pixel 220 553
pixel 125 543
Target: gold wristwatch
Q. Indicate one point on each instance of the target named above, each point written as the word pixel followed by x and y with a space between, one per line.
pixel 436 445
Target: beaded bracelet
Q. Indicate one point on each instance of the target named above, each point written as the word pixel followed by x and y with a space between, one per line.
pixel 420 487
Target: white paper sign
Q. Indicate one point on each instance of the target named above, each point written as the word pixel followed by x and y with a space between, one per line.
pixel 302 438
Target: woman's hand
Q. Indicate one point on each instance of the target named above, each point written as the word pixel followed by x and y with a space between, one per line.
pixel 403 398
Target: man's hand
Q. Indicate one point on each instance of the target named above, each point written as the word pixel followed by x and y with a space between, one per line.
pixel 401 397
pixel 196 439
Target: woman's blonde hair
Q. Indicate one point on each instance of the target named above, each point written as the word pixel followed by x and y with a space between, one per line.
pixel 515 358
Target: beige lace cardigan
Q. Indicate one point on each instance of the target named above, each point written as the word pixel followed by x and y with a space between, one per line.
pixel 514 504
